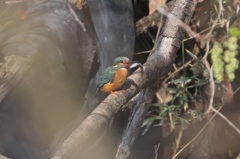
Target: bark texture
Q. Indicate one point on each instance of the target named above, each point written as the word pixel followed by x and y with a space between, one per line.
pixel 3 157
pixel 80 4
pixel 12 70
pixel 138 115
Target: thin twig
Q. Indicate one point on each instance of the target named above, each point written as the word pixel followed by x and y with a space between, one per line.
pixel 199 33
pixel 212 85
pixel 130 103
pixel 207 65
pixel 76 17
pixel 226 119
pixel 156 147
pixel 216 111
pixel 68 5
pixel 146 22
pixel 18 1
pixel 143 52
pixel 175 19
pixel 160 23
pixel 176 71
pixel 184 147
pixel 172 125
pixel 80 4
pixel 178 140
pixel 216 21
pixel 236 91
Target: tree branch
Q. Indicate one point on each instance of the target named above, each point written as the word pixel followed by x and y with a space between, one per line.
pixel 3 157
pixel 12 70
pixel 146 22
pixel 75 16
pixel 80 4
pixel 131 132
pixel 151 20
pixel 155 69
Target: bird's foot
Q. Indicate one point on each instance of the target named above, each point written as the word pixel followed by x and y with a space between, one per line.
pixel 113 92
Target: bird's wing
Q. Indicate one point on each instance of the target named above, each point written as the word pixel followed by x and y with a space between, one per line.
pixel 116 34
pixel 107 76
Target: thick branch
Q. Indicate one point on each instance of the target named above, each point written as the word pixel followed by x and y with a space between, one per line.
pixel 146 22
pixel 151 20
pixel 131 132
pixel 12 70
pixel 3 157
pixel 156 67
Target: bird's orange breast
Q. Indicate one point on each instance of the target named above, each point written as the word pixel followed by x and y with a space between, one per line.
pixel 119 79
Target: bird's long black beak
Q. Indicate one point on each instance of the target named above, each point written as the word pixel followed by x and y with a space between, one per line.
pixel 134 64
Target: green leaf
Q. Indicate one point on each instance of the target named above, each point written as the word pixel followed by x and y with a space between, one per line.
pixel 162 120
pixel 158 105
pixel 184 79
pixel 163 112
pixel 177 95
pixel 147 122
pixel 171 89
pixel 171 108
pixel 201 83
pixel 195 58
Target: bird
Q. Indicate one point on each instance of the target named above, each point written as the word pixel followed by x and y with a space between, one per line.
pixel 115 76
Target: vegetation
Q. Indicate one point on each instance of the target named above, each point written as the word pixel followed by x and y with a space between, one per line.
pixel 186 94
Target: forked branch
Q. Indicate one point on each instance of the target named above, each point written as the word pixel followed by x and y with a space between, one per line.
pixel 155 69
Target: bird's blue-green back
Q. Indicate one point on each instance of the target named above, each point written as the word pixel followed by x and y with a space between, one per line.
pixel 108 75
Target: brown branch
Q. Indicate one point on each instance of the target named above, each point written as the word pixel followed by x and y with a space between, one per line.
pixel 75 16
pixel 80 4
pixel 12 70
pixel 146 22
pixel 17 1
pixel 131 132
pixel 216 111
pixel 155 69
pixel 212 91
pixel 129 105
pixel 151 20
pixel 3 157
pixel 174 18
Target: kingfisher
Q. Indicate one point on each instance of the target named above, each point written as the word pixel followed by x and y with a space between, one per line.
pixel 115 76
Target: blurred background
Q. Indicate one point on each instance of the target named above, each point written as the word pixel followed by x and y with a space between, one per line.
pixel 58 91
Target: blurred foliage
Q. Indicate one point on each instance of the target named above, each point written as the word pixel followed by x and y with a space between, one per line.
pixel 224 59
pixel 218 63
pixel 185 91
pixel 234 31
pixel 218 24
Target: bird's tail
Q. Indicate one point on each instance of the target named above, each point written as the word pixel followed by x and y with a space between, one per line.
pixel 98 92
